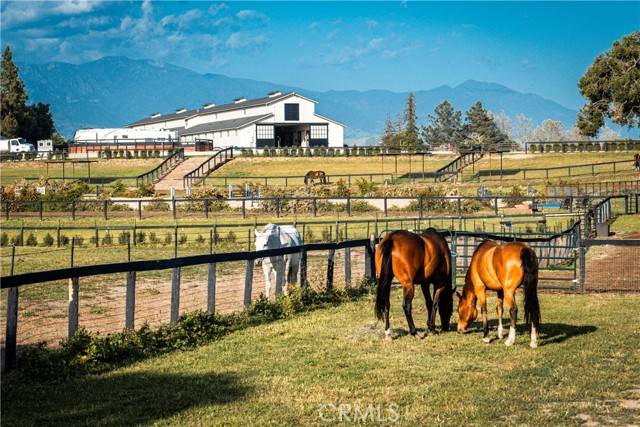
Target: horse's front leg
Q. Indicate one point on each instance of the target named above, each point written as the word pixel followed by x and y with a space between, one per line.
pixel 279 267
pixel 437 292
pixel 482 301
pixel 408 291
pixel 429 303
pixel 266 269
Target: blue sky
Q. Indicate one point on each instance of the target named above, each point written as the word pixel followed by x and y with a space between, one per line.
pixel 539 47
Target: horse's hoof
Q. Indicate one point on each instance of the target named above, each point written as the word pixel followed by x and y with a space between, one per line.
pixel 424 335
pixel 434 332
pixel 387 338
pixel 533 344
pixel 509 342
pixel 486 340
pixel 417 336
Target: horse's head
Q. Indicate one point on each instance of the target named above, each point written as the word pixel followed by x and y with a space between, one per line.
pixel 467 311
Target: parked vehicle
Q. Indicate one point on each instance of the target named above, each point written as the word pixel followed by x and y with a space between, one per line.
pixel 15 145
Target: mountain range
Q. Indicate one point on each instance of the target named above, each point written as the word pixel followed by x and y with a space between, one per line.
pixel 115 91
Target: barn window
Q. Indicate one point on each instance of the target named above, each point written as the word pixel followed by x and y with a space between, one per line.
pixel 292 111
pixel 264 131
pixel 319 132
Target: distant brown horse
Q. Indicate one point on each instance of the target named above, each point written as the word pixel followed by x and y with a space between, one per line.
pixel 636 162
pixel 313 175
pixel 501 268
pixel 415 259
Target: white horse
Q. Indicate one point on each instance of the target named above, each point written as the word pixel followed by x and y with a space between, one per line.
pixel 285 267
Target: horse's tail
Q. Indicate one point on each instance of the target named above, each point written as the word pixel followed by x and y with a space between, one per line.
pixel 386 276
pixel 530 284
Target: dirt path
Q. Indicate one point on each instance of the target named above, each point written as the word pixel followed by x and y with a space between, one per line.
pixel 613 268
pixel 175 177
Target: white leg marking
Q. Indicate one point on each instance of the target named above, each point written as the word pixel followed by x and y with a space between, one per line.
pixel 500 329
pixel 486 340
pixel 387 334
pixel 512 337
pixel 534 337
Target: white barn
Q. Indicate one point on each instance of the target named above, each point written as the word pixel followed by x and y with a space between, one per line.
pixel 277 120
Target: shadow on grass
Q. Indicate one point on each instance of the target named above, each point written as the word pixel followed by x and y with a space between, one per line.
pixel 549 333
pixel 120 399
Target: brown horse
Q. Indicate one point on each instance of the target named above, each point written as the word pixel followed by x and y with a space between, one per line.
pixel 636 162
pixel 501 268
pixel 311 176
pixel 415 259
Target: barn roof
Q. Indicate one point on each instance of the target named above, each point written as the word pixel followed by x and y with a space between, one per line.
pixel 217 109
pixel 223 125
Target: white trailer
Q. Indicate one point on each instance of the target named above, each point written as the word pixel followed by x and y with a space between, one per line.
pixel 15 145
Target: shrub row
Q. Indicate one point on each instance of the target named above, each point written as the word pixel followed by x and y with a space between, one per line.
pixel 89 353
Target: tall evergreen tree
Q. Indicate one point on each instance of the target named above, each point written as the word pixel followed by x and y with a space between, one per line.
pixel 479 126
pixel 410 135
pixel 445 127
pixel 13 97
pixel 389 133
pixel 18 119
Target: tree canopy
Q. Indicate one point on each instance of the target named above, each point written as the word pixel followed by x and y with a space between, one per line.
pixel 612 87
pixel 480 127
pixel 445 127
pixel 17 119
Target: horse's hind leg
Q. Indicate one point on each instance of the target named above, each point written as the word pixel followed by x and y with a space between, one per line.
pixel 408 291
pixel 429 303
pixel 499 310
pixel 510 299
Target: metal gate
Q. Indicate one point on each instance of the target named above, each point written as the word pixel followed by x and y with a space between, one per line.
pixel 610 265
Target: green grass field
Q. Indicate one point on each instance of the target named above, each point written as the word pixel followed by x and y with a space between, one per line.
pixel 11 171
pixel 316 368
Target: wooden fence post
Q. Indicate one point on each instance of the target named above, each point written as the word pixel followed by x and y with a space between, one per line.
pixel 130 300
pixel 303 268
pixel 347 267
pixel 175 296
pixel 330 262
pixel 74 290
pixel 248 283
pixel 12 321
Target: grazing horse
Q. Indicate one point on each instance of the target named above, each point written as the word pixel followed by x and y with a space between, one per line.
pixel 501 267
pixel 415 259
pixel 285 267
pixel 311 176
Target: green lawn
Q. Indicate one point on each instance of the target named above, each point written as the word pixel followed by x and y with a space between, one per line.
pixel 11 171
pixel 298 372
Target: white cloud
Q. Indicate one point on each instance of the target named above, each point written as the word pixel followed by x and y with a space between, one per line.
pixel 239 40
pixel 182 21
pixel 251 14
pixel 372 23
pixel 217 7
pixel 22 12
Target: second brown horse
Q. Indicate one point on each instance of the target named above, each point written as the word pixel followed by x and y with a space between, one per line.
pixel 502 268
pixel 415 259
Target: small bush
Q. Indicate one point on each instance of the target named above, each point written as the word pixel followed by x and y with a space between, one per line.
pixel 93 240
pixel 200 240
pixel 231 237
pixel 64 240
pixel 79 241
pixel 183 239
pixel 153 239
pixel 168 238
pixel 124 238
pixel 4 239
pixel 107 239
pixel 32 240
pixel 48 240
pixel 141 236
pixel 118 188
